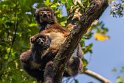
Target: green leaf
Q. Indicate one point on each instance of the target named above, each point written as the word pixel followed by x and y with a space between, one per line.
pixel 33 25
pixel 47 2
pixel 85 62
pixel 6 57
pixel 122 69
pixel 114 70
pixel 55 5
pixel 120 79
pixel 88 48
pixel 76 81
pixel 63 1
pixel 69 4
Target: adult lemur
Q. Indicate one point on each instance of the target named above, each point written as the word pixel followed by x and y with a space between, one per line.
pixel 45 45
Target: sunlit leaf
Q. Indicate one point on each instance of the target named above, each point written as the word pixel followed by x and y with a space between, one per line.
pixel 33 25
pixel 77 14
pixel 63 1
pixel 70 26
pixel 6 56
pixel 85 62
pixel 55 5
pixel 34 82
pixel 63 23
pixel 101 37
pixel 120 79
pixel 47 2
pixel 69 4
pixel 88 48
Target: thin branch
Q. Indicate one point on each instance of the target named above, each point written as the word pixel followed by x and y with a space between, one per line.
pixel 15 31
pixel 96 76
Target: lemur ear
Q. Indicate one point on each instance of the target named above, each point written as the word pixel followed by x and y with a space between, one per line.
pixel 36 16
pixel 37 10
pixel 53 12
pixel 35 13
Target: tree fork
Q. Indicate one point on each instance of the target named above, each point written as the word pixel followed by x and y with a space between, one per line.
pixel 57 67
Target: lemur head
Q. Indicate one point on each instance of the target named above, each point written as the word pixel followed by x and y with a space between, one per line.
pixel 45 15
pixel 41 43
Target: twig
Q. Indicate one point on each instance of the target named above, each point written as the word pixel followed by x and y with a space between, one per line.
pixel 96 76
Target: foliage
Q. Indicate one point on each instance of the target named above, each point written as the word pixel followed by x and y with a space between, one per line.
pixel 15 30
pixel 17 25
pixel 117 8
pixel 120 77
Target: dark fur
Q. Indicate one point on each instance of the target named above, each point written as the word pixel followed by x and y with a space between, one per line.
pixel 40 55
pixel 54 31
pixel 31 59
pixel 40 18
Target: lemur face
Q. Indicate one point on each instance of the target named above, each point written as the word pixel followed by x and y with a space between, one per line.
pixel 45 15
pixel 41 42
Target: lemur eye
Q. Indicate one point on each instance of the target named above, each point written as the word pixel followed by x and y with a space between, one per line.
pixel 41 13
pixel 49 13
pixel 43 39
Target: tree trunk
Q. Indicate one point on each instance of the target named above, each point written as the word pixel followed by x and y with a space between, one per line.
pixel 93 12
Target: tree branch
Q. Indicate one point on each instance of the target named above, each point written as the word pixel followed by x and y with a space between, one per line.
pixel 96 76
pixel 94 12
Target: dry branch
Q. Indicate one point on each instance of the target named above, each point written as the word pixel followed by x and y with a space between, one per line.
pixel 97 76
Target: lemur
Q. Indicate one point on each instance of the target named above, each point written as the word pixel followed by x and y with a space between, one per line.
pixel 52 35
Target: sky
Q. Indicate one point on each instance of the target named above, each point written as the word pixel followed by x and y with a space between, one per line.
pixel 107 54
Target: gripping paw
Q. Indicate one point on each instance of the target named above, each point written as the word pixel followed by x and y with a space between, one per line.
pixel 25 56
pixel 40 41
pixel 33 39
pixel 49 73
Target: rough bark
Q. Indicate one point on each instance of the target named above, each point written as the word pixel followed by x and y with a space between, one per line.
pixel 94 12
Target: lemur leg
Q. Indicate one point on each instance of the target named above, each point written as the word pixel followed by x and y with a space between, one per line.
pixel 48 73
pixel 75 64
pixel 31 59
pixel 27 62
pixel 24 57
pixel 79 54
pixel 36 73
pixel 72 67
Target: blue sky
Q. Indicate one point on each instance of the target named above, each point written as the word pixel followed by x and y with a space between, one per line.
pixel 107 54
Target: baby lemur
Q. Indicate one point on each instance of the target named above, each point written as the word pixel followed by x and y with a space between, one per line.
pixel 45 45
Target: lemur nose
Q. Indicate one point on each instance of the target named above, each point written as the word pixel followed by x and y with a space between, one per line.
pixel 44 15
pixel 40 41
